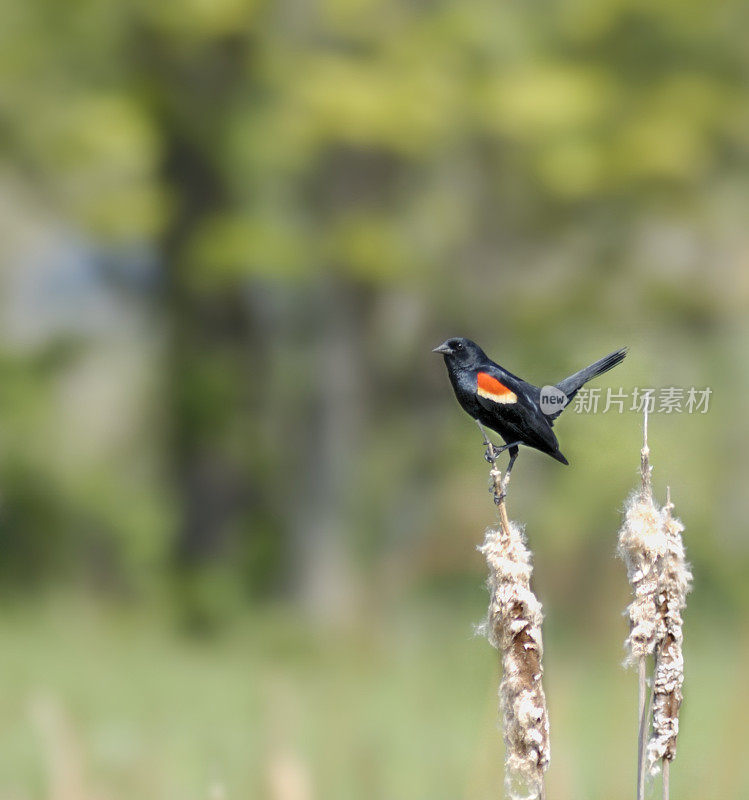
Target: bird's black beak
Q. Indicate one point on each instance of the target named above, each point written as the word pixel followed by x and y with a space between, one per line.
pixel 444 348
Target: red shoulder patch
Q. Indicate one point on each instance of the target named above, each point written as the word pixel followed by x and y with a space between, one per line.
pixel 488 386
pixel 491 384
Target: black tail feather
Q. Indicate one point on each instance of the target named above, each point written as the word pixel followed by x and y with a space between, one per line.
pixel 570 386
pixel 559 457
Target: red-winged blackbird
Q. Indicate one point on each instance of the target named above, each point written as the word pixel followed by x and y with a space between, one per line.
pixel 509 405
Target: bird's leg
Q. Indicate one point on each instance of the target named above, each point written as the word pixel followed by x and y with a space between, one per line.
pixel 491 452
pixel 491 456
pixel 509 447
pixel 483 433
pixel 514 450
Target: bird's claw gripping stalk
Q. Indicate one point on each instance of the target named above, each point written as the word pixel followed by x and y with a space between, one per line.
pixel 494 450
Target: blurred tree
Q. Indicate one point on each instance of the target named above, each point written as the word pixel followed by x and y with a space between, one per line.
pixel 324 187
pixel 211 339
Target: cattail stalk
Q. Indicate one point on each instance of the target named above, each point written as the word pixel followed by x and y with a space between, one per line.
pixel 675 583
pixel 641 546
pixel 643 711
pixel 513 627
pixel 651 547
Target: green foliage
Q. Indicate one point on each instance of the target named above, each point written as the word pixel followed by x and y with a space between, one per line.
pixel 232 232
pixel 542 177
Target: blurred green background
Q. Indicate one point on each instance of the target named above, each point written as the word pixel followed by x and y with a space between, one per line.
pixel 238 502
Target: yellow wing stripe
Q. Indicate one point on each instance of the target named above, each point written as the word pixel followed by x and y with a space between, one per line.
pixel 506 397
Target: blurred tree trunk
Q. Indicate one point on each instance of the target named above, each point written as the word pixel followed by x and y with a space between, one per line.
pixel 212 339
pixel 324 523
pixel 327 524
pixel 210 335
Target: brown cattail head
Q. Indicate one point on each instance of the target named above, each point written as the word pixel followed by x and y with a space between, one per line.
pixel 642 543
pixel 674 584
pixel 513 626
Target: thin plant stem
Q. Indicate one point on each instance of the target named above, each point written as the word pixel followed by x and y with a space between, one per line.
pixel 645 457
pixel 499 486
pixel 652 548
pixel 513 626
pixel 642 729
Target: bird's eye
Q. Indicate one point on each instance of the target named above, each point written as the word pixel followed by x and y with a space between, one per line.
pixel 458 345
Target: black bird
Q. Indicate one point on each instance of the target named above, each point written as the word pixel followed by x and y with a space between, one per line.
pixel 518 411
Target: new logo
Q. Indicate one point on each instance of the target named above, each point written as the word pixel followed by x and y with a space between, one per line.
pixel 553 400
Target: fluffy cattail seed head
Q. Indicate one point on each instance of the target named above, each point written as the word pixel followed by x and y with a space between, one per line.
pixel 641 545
pixel 642 542
pixel 513 626
pixel 674 584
